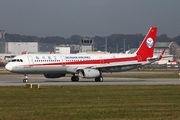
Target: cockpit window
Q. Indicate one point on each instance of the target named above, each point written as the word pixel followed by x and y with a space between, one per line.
pixel 16 60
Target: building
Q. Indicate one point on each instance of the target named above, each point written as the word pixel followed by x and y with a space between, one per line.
pixel 86 44
pixel 46 47
pixel 74 48
pixel 62 50
pixel 19 47
pixel 2 34
pixel 29 47
pixel 2 42
pixel 3 46
pixel 175 51
pixel 5 58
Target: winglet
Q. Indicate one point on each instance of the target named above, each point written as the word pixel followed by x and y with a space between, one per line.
pixel 160 57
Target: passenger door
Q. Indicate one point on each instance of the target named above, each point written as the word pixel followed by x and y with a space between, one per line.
pixel 30 60
pixel 63 61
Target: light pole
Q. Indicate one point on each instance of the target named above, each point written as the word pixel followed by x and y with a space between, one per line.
pixel 128 46
pixel 106 45
pixel 124 45
pixel 39 49
pixel 117 48
pixel 18 48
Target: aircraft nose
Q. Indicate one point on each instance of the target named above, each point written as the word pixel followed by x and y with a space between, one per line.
pixel 8 67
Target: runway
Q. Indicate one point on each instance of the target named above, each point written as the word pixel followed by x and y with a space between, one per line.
pixel 16 80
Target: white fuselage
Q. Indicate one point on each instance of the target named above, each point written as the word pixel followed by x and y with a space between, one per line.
pixel 65 63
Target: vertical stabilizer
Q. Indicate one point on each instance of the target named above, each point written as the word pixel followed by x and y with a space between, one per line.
pixel 146 48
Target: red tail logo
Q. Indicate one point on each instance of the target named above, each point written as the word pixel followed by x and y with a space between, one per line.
pixel 146 48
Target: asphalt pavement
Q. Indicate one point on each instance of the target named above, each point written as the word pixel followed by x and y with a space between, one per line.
pixel 17 80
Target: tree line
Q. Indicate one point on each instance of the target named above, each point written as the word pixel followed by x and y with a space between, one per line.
pixel 115 42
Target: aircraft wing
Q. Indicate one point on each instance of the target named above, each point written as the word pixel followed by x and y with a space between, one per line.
pixel 111 65
pixel 120 64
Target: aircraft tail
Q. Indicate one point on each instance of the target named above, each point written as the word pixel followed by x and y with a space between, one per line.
pixel 146 48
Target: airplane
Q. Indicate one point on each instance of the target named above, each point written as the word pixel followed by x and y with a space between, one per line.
pixel 85 65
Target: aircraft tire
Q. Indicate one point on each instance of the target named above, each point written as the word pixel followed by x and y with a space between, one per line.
pixel 25 80
pixel 99 79
pixel 74 78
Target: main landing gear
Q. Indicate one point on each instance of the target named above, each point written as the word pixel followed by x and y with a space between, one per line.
pixel 25 80
pixel 99 79
pixel 74 78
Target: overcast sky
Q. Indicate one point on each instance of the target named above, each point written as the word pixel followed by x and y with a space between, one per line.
pixel 89 17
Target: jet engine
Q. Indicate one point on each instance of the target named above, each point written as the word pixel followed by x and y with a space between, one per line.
pixel 89 73
pixel 54 75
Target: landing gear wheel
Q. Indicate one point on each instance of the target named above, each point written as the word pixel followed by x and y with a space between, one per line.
pixel 74 78
pixel 25 80
pixel 99 79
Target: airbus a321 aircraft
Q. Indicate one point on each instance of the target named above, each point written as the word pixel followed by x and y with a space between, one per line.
pixel 84 65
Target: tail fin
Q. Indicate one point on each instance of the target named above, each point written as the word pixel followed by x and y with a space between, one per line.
pixel 146 48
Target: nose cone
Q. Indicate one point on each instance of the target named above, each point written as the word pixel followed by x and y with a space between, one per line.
pixel 8 67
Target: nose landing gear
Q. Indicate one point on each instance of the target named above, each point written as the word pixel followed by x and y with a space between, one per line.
pixel 25 80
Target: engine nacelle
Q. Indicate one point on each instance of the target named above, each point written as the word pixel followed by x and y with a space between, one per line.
pixel 54 75
pixel 89 73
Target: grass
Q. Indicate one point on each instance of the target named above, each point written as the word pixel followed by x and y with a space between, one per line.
pixel 137 102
